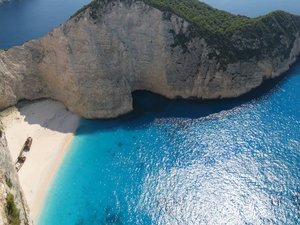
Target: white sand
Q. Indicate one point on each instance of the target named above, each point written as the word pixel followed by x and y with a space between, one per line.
pixel 51 126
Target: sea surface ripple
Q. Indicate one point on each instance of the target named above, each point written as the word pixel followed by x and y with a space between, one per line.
pixel 186 162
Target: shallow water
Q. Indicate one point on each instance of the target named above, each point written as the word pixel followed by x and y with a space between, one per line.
pixel 185 162
pixel 176 162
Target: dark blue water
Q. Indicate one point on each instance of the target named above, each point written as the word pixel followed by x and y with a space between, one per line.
pixel 23 20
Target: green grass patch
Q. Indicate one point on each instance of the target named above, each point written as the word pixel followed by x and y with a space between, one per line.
pixel 13 213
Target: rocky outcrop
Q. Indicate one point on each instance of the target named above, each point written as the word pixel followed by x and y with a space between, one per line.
pixel 9 185
pixel 94 61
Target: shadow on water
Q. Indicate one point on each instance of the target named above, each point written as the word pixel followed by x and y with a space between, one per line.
pixel 149 106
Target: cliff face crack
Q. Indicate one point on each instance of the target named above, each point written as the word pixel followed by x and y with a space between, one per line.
pixel 109 49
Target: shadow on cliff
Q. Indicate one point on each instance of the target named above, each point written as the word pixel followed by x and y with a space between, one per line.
pixel 149 106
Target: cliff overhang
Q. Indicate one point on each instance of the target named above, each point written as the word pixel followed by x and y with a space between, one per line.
pixel 108 49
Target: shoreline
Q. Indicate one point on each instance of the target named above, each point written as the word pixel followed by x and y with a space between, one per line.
pixel 38 206
pixel 52 128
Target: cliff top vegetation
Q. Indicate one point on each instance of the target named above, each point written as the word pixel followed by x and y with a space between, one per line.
pixel 236 36
pixel 207 18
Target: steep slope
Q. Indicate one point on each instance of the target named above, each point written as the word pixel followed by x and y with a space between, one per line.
pixel 13 208
pixel 94 61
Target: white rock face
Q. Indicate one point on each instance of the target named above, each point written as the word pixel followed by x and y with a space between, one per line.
pixel 93 65
pixel 8 172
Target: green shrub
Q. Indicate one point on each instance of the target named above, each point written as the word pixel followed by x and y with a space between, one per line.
pixel 13 213
pixel 205 17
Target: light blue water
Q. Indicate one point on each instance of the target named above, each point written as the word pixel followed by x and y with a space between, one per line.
pixel 180 162
pixel 183 162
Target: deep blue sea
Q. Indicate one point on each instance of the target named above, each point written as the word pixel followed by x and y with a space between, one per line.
pixel 23 20
pixel 177 162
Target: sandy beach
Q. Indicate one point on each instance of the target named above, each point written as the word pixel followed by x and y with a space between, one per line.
pixel 52 127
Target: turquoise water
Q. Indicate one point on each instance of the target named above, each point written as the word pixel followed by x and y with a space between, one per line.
pixel 185 162
pixel 176 162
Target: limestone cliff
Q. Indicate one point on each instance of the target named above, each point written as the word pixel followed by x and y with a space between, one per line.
pixel 94 61
pixel 10 190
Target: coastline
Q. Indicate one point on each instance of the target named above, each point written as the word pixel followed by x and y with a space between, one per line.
pixel 38 205
pixel 52 128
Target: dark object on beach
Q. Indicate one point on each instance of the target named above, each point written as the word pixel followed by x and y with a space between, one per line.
pixel 27 144
pixel 22 158
pixel 0 133
pixel 20 161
